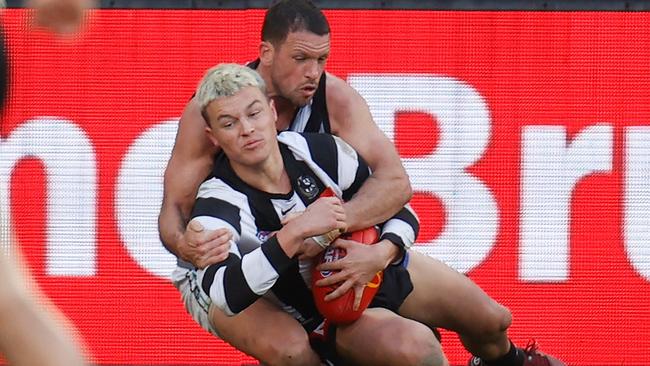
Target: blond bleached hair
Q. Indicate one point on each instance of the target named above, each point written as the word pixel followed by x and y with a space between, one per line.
pixel 225 80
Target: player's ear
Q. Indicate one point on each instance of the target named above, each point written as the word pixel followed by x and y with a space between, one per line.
pixel 208 132
pixel 266 52
pixel 273 110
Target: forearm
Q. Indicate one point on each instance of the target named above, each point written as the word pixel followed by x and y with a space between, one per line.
pixel 236 283
pixel 171 226
pixel 190 163
pixel 377 200
pixel 290 238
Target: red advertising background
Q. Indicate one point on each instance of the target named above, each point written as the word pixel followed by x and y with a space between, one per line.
pixel 132 70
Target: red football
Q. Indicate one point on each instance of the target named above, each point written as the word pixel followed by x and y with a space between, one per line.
pixel 339 310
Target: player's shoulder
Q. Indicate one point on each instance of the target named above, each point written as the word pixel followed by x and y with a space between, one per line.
pixel 229 194
pixel 343 101
pixel 338 90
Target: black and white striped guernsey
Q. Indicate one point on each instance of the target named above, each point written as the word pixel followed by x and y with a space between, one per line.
pixel 257 266
pixel 311 118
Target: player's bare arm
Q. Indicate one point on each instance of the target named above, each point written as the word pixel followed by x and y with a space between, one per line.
pixel 385 192
pixel 190 162
pixel 382 195
pixel 388 189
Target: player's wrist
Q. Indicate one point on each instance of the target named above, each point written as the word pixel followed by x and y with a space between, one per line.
pixel 180 247
pixel 291 236
pixel 390 253
pixel 179 241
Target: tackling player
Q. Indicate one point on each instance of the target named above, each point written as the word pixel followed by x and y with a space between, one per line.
pixel 293 51
pixel 260 179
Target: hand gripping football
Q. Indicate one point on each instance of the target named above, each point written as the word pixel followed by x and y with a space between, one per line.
pixel 340 310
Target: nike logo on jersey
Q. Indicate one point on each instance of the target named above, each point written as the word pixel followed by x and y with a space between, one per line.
pixel 284 212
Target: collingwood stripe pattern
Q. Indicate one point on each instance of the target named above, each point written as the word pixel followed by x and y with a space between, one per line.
pixel 257 265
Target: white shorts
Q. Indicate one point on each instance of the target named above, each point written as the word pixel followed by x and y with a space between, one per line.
pixel 196 301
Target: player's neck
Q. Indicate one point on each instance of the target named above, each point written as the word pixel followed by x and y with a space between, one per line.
pixel 286 111
pixel 267 176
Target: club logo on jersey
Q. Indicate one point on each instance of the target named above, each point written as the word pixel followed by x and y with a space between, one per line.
pixel 307 186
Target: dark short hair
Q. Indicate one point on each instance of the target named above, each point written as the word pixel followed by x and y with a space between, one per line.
pixel 287 16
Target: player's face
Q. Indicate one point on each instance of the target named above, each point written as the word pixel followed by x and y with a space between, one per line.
pixel 243 126
pixel 298 64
